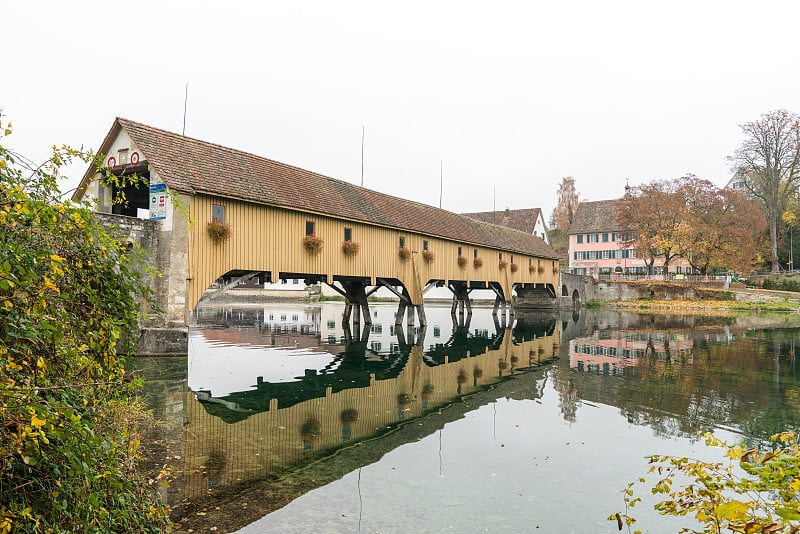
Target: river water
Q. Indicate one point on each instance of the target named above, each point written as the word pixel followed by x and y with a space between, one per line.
pixel 281 420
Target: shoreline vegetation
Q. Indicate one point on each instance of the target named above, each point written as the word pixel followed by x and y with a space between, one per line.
pixel 723 307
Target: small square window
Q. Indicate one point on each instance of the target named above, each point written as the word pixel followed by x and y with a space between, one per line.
pixel 500 256
pixel 580 238
pixel 459 251
pixel 309 227
pixel 348 234
pixel 402 241
pixel 605 238
pixel 475 253
pixel 424 244
pixel 218 213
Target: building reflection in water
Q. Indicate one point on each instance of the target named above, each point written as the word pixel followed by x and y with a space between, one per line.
pixel 612 352
pixel 270 388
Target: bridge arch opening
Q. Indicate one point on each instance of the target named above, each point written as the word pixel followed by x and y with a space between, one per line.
pixel 576 299
pixel 564 290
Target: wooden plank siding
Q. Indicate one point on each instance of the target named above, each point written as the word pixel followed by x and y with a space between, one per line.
pixel 270 238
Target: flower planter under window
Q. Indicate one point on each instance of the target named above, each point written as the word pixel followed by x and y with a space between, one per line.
pixel 428 256
pixel 350 248
pixel 478 263
pixel 462 261
pixel 218 231
pixel 404 253
pixel 514 267
pixel 502 264
pixel 313 244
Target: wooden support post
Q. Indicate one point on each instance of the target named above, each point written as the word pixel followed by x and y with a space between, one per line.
pixel 423 321
pixel 401 310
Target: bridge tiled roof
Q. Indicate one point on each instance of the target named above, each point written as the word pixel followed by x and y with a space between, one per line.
pixel 523 220
pixel 596 216
pixel 192 166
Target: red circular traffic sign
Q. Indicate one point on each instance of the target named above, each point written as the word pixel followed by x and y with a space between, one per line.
pixel 134 158
pixel 112 162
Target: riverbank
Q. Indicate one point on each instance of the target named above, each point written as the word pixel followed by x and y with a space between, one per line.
pixel 695 306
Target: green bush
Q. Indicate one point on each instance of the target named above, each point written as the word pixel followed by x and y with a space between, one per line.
pixel 68 293
pixel 755 491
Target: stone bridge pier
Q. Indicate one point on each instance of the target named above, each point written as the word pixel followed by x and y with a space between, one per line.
pixel 159 334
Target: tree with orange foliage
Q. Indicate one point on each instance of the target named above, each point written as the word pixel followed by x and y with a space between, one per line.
pixel 722 228
pixel 653 213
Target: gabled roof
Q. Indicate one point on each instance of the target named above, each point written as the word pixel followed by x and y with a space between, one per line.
pixel 597 216
pixel 523 220
pixel 193 166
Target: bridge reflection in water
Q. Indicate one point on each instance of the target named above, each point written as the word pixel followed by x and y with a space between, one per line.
pixel 303 386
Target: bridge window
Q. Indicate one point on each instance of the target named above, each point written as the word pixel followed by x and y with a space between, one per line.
pixel 475 253
pixel 500 256
pixel 348 234
pixel 402 242
pixel 459 251
pixel 425 245
pixel 512 258
pixel 309 227
pixel 218 213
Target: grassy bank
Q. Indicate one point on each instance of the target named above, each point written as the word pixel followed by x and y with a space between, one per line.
pixel 693 306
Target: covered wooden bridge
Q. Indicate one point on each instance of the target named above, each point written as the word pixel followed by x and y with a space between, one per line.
pixel 285 222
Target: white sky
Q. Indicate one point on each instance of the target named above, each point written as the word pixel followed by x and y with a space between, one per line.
pixel 508 95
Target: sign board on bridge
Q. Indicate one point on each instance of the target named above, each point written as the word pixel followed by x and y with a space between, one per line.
pixel 158 201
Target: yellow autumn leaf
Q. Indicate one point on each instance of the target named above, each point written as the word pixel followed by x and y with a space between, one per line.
pixel 56 257
pixel 40 363
pixel 36 422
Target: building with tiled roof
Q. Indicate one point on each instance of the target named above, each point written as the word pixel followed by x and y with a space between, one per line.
pixel 530 220
pixel 596 244
pixel 193 166
pixel 272 210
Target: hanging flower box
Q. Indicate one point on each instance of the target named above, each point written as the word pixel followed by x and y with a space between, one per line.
pixel 514 267
pixel 313 244
pixel 404 253
pixel 555 268
pixel 428 256
pixel 350 248
pixel 541 269
pixel 532 269
pixel 478 263
pixel 502 264
pixel 462 261
pixel 218 231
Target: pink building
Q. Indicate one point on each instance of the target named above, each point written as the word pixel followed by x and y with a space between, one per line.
pixel 595 244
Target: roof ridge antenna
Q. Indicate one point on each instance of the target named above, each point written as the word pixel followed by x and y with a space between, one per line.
pixel 185 100
pixel 362 155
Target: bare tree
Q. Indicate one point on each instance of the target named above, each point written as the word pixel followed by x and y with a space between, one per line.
pixel 768 165
pixel 563 213
pixel 566 205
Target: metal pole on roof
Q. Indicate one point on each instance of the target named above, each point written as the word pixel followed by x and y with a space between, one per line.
pixel 441 181
pixel 362 155
pixel 185 99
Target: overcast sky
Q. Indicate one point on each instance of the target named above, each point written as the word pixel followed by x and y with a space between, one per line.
pixel 511 96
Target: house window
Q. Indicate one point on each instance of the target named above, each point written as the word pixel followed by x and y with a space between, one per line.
pixel 218 213
pixel 605 238
pixel 348 234
pixel 425 244
pixel 580 238
pixel 592 238
pixel 402 242
pixel 309 227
